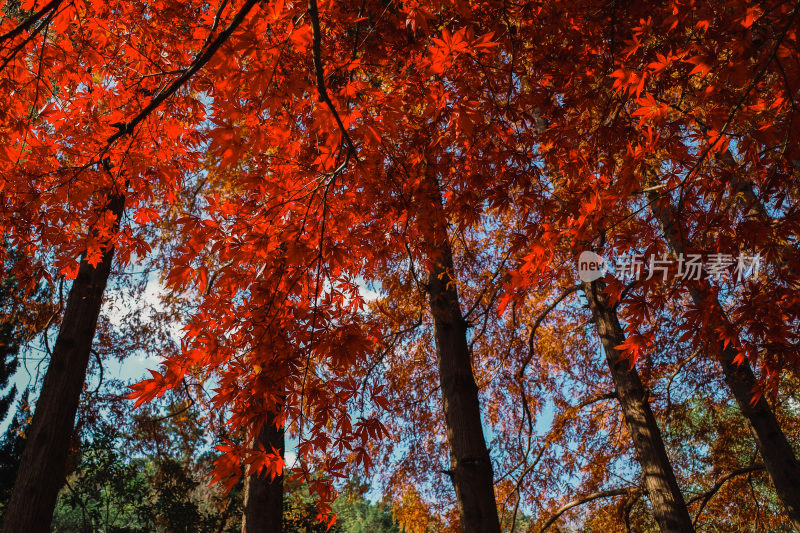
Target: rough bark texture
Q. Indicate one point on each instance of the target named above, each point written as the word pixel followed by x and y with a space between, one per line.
pixel 470 465
pixel 776 452
pixel 43 463
pixel 669 507
pixel 263 498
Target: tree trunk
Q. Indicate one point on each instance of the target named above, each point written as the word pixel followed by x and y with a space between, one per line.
pixel 776 452
pixel 669 507
pixel 263 498
pixel 470 465
pixel 42 466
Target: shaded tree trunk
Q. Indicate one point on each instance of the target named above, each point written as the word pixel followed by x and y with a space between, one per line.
pixel 776 452
pixel 263 498
pixel 470 464
pixel 669 507
pixel 42 466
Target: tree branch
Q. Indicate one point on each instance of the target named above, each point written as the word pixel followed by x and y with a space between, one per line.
pixel 29 38
pixel 586 499
pixel 319 72
pixel 539 321
pixel 536 324
pixel 594 399
pixel 721 480
pixel 200 61
pixel 675 374
pixel 30 21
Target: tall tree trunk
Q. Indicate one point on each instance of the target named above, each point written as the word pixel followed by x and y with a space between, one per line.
pixel 263 498
pixel 669 507
pixel 43 463
pixel 776 452
pixel 470 465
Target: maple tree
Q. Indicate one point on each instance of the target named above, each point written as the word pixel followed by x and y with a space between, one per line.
pixel 275 157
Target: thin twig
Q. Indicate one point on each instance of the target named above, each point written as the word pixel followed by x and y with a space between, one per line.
pixel 676 372
pixel 531 337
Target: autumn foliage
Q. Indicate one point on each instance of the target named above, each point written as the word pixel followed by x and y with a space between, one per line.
pixel 303 176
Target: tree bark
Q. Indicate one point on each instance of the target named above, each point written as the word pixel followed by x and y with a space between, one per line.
pixel 42 468
pixel 470 464
pixel 263 498
pixel 776 452
pixel 669 507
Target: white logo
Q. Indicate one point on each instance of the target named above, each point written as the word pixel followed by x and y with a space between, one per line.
pixel 591 266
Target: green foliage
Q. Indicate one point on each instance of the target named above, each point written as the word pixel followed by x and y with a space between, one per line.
pixel 11 446
pixel 299 511
pixel 13 328
pixel 171 487
pixel 112 493
pixel 106 493
pixel 355 513
pixel 10 341
pixel 21 318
